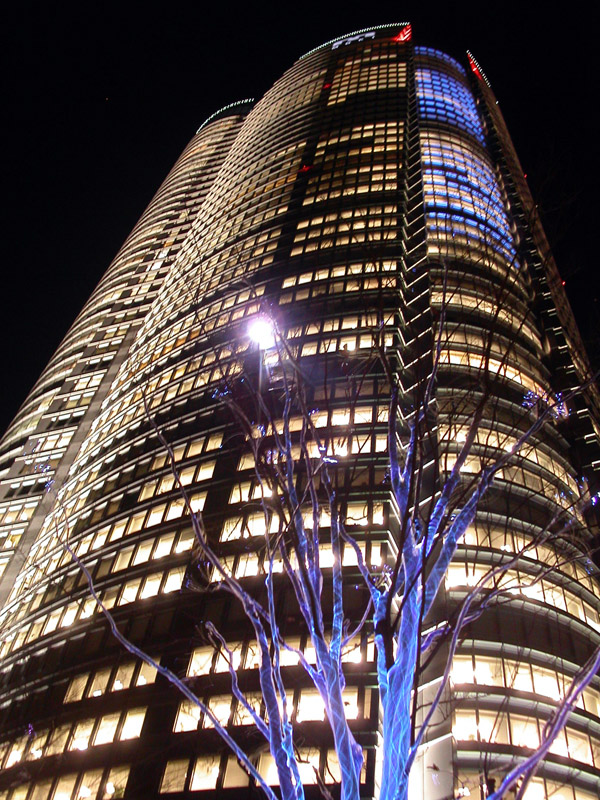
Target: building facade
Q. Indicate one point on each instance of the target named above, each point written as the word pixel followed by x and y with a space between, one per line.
pixel 372 206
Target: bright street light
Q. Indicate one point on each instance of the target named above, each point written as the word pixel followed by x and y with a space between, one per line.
pixel 261 331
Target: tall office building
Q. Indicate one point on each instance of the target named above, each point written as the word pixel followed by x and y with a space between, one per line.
pixel 370 203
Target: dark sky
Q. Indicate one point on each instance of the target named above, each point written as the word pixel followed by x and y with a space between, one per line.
pixel 101 98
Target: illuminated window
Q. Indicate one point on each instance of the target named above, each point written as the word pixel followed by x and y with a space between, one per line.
pixel 524 731
pixel 310 706
pixel 188 717
pixel 65 787
pixel 205 774
pixel 106 729
pixel 116 783
pixel 235 776
pixel 76 688
pixel 90 784
pixel 132 726
pixel 123 677
pixel 174 776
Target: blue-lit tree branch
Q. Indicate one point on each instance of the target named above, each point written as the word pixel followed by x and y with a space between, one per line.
pixel 400 597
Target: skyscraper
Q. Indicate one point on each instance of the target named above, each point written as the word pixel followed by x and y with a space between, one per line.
pixel 370 202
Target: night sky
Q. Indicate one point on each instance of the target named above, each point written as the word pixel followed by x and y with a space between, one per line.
pixel 102 97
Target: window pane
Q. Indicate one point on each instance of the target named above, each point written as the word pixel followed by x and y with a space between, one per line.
pixel 64 789
pixel 201 661
pixel 133 723
pixel 99 683
pixel 76 688
pixel 147 674
pixel 235 776
pixel 107 728
pixel 123 677
pixel 206 772
pixel 188 717
pixel 174 776
pixel 90 783
pixel 81 735
pixel 115 784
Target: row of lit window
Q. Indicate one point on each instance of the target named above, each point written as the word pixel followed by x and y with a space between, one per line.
pixel 500 538
pixel 506 355
pixel 231 265
pixel 428 54
pixel 339 287
pixel 162 582
pixel 442 192
pixel 373 231
pixel 379 153
pixel 465 299
pixel 342 445
pixel 52 556
pixel 245 655
pixel 79 735
pixel 473 785
pixel 246 565
pixel 384 265
pixel 185 476
pixel 297 88
pixel 522 676
pixel 455 150
pixel 520 476
pixel 17 511
pixel 349 169
pixel 444 98
pixel 351 219
pixel 28 420
pixel 150 549
pixel 314 765
pixel 85 479
pixel 148 518
pixel 10 538
pixel 378 179
pixel 147 550
pixel 453 164
pixel 475 336
pixel 176 336
pixel 345 344
pixel 272 194
pixel 369 319
pixel 491 365
pixel 481 239
pixel 115 428
pixel 374 71
pixel 94 784
pixel 518 583
pixel 507 442
pixel 107 679
pixel 53 441
pixel 388 132
pixel 309 707
pixel 519 731
pixel 464 229
pixel 457 159
pixel 253 173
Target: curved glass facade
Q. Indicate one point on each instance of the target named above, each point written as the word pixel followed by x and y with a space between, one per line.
pixel 366 203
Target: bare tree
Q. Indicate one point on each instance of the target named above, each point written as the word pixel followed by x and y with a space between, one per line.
pixel 444 457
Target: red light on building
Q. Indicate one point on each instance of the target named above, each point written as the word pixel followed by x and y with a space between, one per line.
pixel 474 66
pixel 405 35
